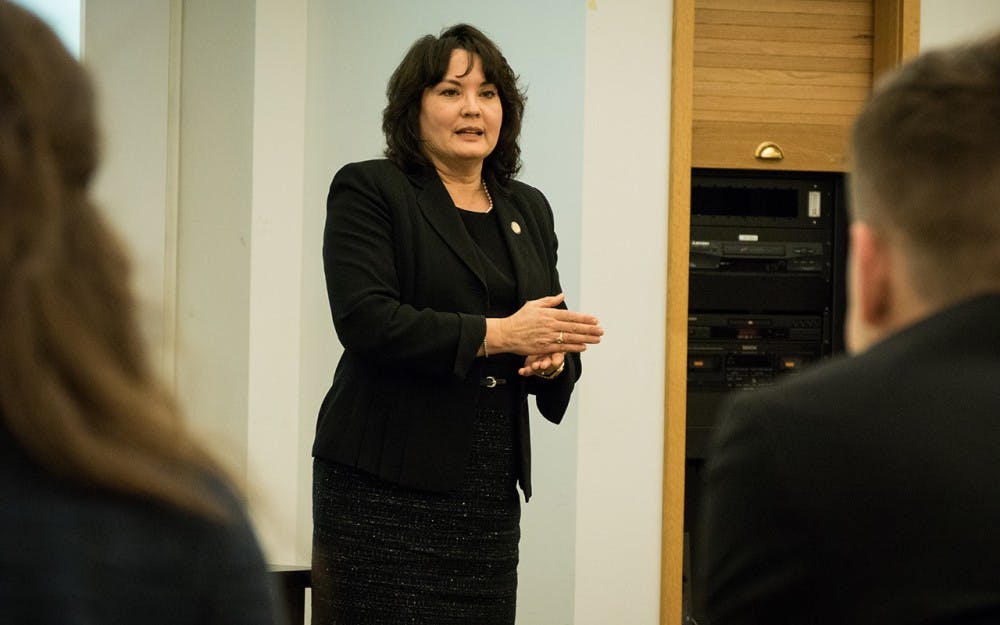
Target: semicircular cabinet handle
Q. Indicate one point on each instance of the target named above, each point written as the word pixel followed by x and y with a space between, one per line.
pixel 769 151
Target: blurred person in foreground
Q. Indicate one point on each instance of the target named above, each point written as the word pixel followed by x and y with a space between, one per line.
pixel 109 511
pixel 442 281
pixel 867 490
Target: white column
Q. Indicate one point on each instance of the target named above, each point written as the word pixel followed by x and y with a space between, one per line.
pixel 623 281
pixel 127 49
pixel 279 93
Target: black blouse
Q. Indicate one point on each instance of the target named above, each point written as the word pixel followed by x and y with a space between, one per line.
pixel 484 228
pixel 501 287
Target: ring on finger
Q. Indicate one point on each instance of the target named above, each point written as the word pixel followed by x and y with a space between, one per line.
pixel 559 340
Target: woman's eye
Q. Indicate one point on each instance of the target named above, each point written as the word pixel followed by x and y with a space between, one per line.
pixel 489 94
pixel 449 91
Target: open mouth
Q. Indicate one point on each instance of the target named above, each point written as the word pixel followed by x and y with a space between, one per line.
pixel 477 132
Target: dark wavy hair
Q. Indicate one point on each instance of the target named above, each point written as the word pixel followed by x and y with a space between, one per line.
pixel 424 66
pixel 77 391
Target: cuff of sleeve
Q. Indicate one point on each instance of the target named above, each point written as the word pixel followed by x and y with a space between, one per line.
pixel 472 331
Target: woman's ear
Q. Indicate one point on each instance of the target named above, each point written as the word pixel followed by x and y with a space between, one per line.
pixel 870 284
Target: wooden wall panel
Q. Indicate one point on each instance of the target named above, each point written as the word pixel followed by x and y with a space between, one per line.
pixel 791 72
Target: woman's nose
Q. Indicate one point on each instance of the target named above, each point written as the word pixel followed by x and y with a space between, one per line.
pixel 470 106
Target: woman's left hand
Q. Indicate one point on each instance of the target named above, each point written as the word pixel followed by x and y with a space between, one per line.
pixel 542 364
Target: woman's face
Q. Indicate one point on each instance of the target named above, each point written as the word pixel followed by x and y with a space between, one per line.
pixel 460 117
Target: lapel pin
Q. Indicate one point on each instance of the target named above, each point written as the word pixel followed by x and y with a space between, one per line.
pixel 516 227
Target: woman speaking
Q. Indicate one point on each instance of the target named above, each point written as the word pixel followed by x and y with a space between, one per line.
pixel 442 281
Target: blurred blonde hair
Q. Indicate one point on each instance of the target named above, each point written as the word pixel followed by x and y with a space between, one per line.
pixel 77 391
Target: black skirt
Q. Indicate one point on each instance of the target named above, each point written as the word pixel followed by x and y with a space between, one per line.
pixel 387 554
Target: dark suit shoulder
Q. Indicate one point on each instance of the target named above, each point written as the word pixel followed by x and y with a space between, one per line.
pixel 863 473
pixel 526 193
pixel 532 203
pixel 377 188
pixel 929 382
pixel 374 170
pixel 523 188
pixel 932 349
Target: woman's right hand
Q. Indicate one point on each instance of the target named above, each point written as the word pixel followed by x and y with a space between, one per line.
pixel 539 327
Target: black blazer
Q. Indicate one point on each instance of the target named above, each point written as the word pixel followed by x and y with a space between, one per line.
pixel 866 490
pixel 408 299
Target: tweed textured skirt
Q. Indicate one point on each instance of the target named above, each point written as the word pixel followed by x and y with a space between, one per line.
pixel 387 554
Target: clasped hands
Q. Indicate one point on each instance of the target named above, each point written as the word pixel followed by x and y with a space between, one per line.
pixel 543 334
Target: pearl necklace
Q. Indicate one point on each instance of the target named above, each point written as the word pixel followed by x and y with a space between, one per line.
pixel 489 197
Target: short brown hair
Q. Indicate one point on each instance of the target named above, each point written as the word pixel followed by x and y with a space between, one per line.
pixel 424 66
pixel 926 167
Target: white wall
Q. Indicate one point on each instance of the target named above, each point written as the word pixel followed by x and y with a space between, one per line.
pixel 943 22
pixel 214 224
pixel 275 450
pixel 623 279
pixel 133 104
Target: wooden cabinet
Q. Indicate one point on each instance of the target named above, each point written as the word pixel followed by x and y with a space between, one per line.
pixel 784 74
pixel 746 72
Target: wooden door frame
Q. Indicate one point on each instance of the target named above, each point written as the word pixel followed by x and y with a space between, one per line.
pixel 896 37
pixel 678 242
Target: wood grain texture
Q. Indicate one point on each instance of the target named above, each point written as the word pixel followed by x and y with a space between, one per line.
pixel 802 78
pixel 807 147
pixel 678 240
pixel 859 66
pixel 791 71
pixel 771 19
pixel 779 44
pixel 825 7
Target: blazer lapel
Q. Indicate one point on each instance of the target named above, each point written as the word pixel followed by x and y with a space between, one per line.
pixel 523 255
pixel 440 212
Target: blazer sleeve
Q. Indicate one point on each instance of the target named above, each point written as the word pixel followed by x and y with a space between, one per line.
pixel 552 396
pixel 359 260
